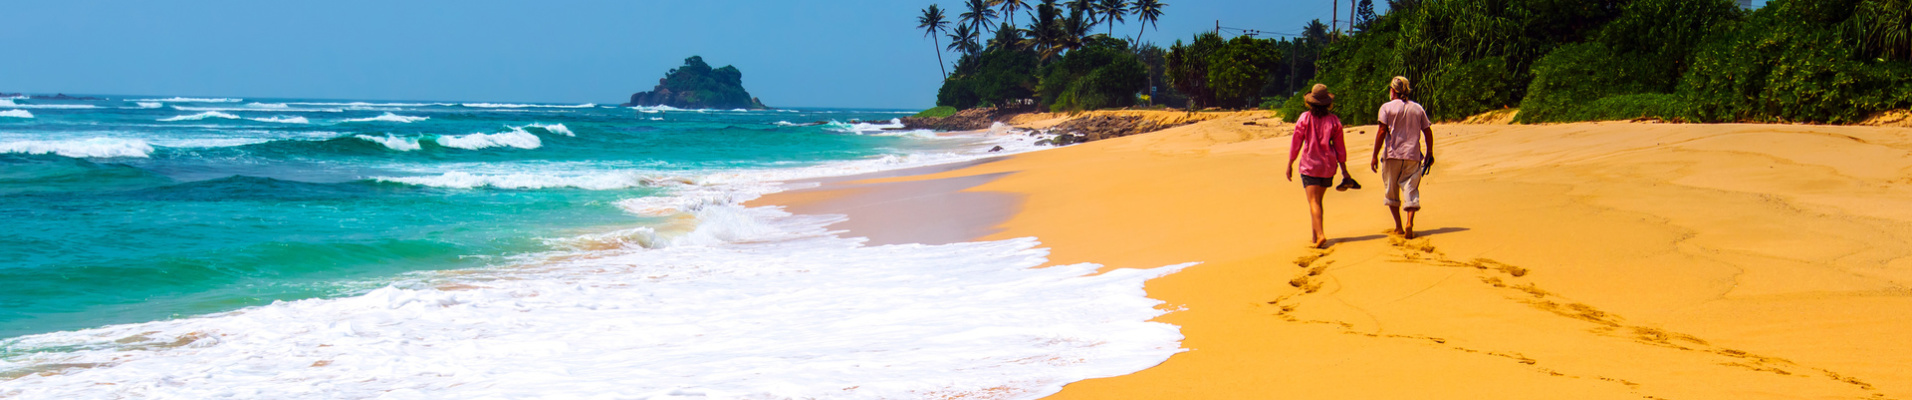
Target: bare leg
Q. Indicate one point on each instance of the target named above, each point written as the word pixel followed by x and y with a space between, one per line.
pixel 1396 210
pixel 1320 238
pixel 1410 222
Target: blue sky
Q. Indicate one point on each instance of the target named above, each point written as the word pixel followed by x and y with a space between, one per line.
pixel 860 53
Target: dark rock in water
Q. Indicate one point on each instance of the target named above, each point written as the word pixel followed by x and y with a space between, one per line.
pixel 696 86
pixel 995 149
pixel 60 96
pixel 9 95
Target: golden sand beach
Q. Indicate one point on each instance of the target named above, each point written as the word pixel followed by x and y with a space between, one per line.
pixel 1592 260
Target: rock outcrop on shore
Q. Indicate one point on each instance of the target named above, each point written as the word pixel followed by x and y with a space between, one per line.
pixel 697 86
pixel 965 120
pixel 1100 127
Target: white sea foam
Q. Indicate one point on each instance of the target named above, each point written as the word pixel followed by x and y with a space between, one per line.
pixel 91 148
pixel 464 180
pixel 200 116
pixel 256 109
pixel 367 104
pixel 655 109
pixel 390 117
pixel 497 105
pixel 747 303
pixel 268 105
pixel 282 120
pixel 553 128
pixel 192 100
pixel 863 128
pixel 392 142
pixel 8 103
pixel 151 104
pixel 16 114
pixel 516 137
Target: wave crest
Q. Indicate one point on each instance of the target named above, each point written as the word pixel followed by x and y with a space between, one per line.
pixel 82 148
pixel 16 114
pixel 191 100
pixel 200 116
pixel 464 180
pixel 390 117
pixel 392 142
pixel 516 137
pixel 509 105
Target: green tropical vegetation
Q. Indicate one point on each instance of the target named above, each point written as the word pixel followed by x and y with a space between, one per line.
pixel 938 112
pixel 1052 59
pixel 1819 61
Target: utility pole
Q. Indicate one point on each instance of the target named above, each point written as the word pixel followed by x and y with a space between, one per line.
pixel 1334 23
pixel 1218 27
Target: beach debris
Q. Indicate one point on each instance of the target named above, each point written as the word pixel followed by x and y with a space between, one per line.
pixel 995 149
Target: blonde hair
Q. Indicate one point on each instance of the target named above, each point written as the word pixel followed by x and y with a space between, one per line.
pixel 1399 86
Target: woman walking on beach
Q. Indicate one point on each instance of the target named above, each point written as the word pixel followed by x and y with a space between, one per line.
pixel 1318 143
pixel 1404 125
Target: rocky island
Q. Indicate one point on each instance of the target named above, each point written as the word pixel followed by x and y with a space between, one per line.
pixel 697 86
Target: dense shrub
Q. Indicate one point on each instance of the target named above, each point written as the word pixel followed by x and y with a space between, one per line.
pixel 1102 75
pixel 1188 67
pixel 1577 74
pixel 997 76
pixel 938 112
pixel 1239 70
pixel 1790 62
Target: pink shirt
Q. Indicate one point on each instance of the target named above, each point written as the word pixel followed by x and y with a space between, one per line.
pixel 1405 121
pixel 1319 143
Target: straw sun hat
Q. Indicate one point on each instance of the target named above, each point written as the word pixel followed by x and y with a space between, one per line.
pixel 1319 96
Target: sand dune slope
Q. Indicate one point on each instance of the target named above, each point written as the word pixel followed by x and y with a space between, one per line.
pixel 1603 260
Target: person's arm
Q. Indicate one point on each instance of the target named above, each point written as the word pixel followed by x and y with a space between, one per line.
pixel 1341 149
pixel 1294 150
pixel 1380 139
pixel 1427 135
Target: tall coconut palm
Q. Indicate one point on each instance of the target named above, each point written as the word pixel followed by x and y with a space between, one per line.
pixel 932 23
pixel 979 14
pixel 1009 8
pixel 1112 11
pixel 1045 29
pixel 964 40
pixel 1146 13
pixel 1085 8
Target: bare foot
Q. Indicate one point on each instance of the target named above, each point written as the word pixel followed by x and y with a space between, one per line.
pixel 1410 232
pixel 1321 243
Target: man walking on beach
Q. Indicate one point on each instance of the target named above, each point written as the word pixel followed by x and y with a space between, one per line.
pixel 1398 154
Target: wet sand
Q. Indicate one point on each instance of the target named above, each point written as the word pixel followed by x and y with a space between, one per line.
pixel 1594 260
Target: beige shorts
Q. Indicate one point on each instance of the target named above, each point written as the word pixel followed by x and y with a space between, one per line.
pixel 1402 181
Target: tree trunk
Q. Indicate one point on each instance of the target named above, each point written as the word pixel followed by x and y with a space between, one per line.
pixel 939 56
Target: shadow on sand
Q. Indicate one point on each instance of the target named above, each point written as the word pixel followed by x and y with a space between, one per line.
pixel 1417 235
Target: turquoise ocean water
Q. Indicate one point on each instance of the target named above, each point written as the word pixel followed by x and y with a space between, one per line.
pixel 137 209
pixel 195 248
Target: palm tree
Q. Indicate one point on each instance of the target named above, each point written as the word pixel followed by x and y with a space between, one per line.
pixel 1074 30
pixel 1112 11
pixel 1045 29
pixel 979 14
pixel 1009 7
pixel 932 23
pixel 1146 13
pixel 1008 37
pixel 964 40
pixel 1084 7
